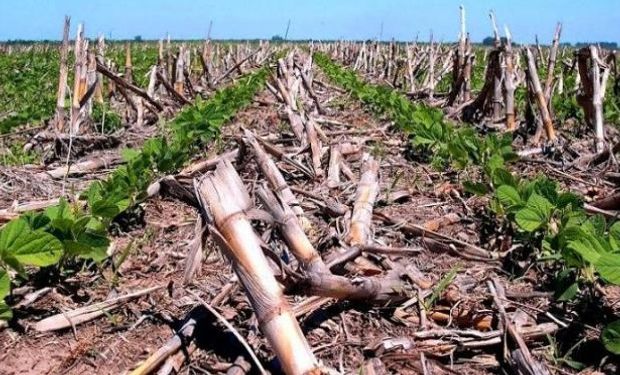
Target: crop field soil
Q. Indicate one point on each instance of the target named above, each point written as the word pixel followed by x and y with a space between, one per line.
pixel 212 207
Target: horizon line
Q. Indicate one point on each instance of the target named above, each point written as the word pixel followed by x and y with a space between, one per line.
pixel 196 39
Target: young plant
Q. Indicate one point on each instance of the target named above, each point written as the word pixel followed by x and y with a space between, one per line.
pixel 68 231
pixel 550 223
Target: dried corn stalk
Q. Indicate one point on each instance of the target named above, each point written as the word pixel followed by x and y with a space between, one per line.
pixel 333 171
pixel 99 57
pixel 92 81
pixel 316 279
pixel 275 178
pixel 532 75
pixel 553 53
pixel 292 232
pixel 367 190
pixel 62 81
pixel 195 254
pixel 79 81
pixel 315 145
pixel 224 201
pixel 179 79
pixel 592 91
pixel 509 83
pixel 128 65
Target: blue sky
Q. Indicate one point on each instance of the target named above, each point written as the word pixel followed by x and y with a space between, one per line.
pixel 593 20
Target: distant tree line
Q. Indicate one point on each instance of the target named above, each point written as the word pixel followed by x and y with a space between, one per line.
pixel 490 41
pixel 605 45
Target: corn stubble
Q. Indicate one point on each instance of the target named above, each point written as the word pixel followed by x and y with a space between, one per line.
pixel 225 200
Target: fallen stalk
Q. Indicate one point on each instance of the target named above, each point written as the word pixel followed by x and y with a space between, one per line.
pixel 129 86
pixel 224 200
pixel 87 313
pixel 367 191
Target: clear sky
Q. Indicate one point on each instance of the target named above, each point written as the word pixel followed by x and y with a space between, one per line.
pixel 584 20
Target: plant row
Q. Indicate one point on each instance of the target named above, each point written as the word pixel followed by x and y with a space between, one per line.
pixel 551 224
pixel 76 230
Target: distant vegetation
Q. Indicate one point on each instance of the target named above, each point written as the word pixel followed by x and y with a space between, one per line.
pixel 490 41
pixel 606 45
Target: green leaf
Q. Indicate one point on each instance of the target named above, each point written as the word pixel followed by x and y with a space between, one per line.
pixel 573 218
pixel 27 247
pixel 5 284
pixel 508 196
pixel 79 226
pixel 595 225
pixel 546 188
pixel 540 204
pixel 566 285
pixel 98 254
pixel 128 154
pixel 529 219
pixel 10 233
pixel 36 221
pixel 5 311
pixel 38 249
pixel 502 177
pixel 567 198
pixel 569 293
pixel 610 336
pixel 477 188
pixel 614 236
pixel 104 208
pixel 441 286
pixel 608 266
pixel 583 248
pixel 89 245
pixel 421 141
pixel 5 288
pixel 588 247
pixel 60 211
pixel 537 212
pixel 495 162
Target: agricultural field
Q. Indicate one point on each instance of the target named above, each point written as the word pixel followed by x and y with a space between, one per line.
pixel 316 207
